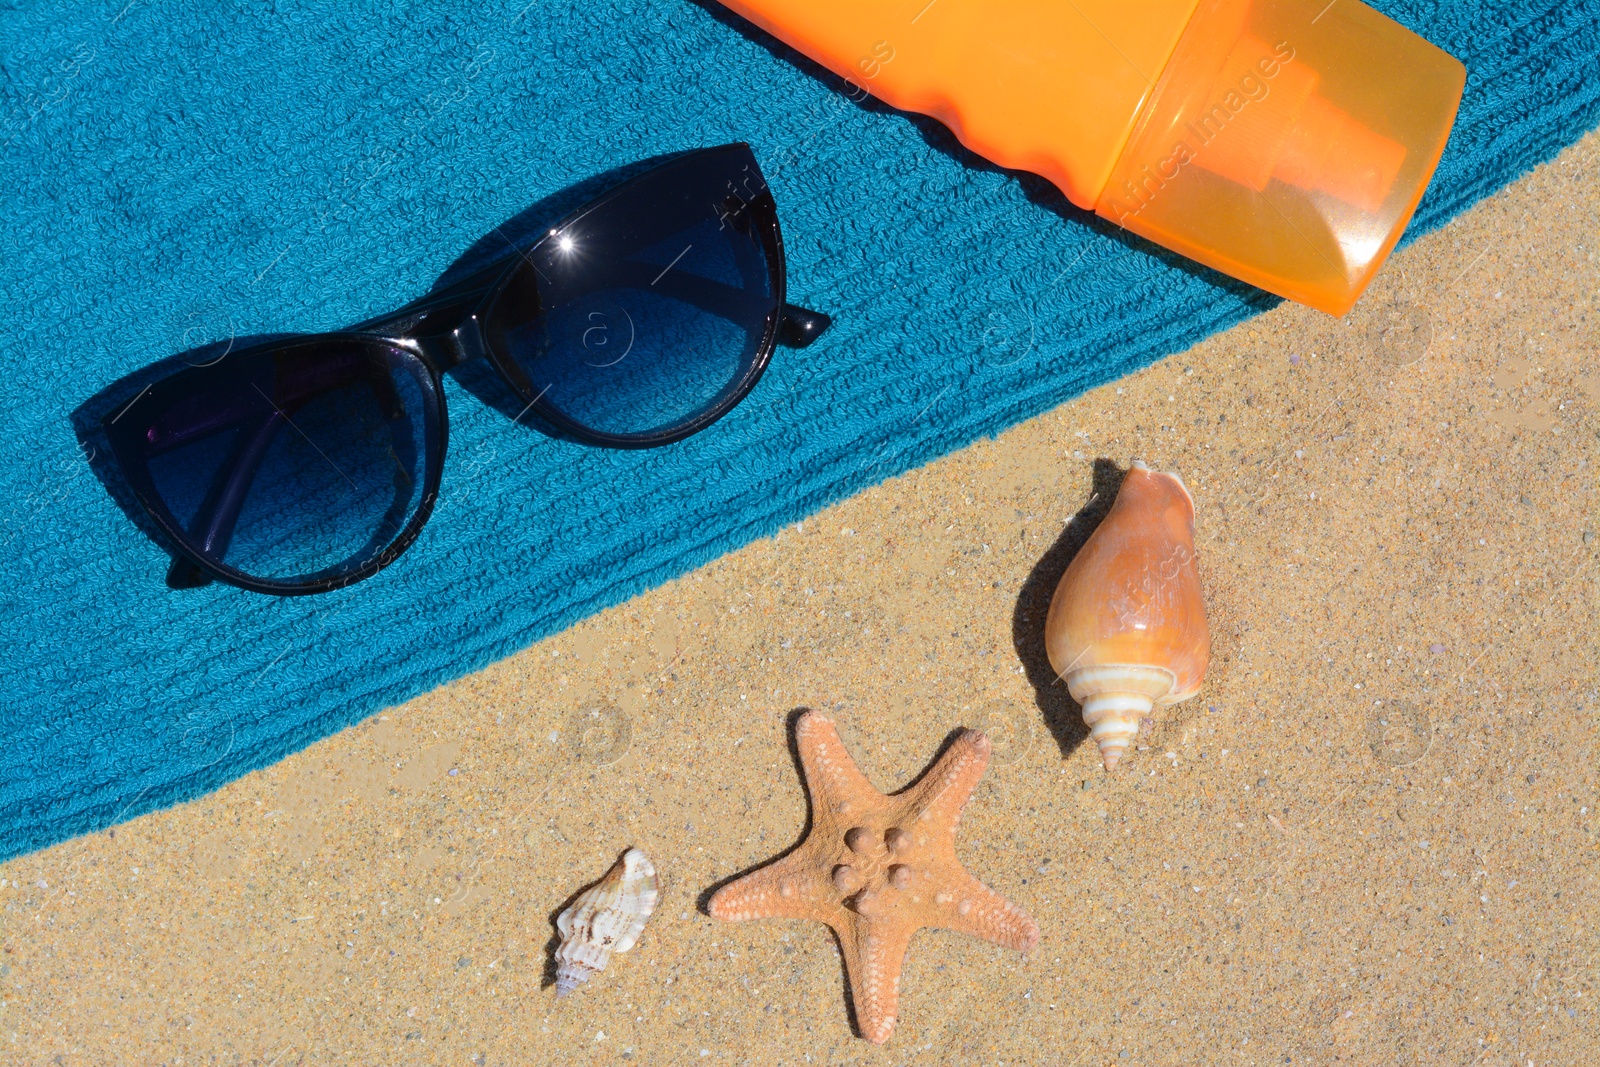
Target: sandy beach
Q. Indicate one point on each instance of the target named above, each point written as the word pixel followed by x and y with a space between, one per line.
pixel 1372 838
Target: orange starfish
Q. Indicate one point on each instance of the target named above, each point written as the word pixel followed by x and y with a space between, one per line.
pixel 879 868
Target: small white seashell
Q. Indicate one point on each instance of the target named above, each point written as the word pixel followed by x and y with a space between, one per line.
pixel 607 917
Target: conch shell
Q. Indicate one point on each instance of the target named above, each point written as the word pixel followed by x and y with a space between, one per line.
pixel 1127 628
pixel 607 917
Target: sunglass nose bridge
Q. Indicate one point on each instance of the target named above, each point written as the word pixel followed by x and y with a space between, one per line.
pixel 463 343
pixel 446 336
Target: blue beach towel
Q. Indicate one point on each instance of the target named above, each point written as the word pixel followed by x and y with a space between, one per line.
pixel 178 172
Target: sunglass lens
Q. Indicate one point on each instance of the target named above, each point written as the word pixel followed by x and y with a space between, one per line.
pixel 292 465
pixel 647 314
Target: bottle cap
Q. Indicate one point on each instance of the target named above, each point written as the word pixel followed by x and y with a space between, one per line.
pixel 1287 144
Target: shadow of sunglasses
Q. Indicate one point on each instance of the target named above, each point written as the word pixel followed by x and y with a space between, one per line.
pixel 301 463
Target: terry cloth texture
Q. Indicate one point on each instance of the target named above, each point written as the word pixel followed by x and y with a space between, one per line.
pixel 178 172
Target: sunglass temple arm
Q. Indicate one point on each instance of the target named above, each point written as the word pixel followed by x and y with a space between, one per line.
pixel 798 326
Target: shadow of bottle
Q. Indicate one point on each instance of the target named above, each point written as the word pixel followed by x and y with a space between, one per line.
pixel 1062 715
pixel 1039 190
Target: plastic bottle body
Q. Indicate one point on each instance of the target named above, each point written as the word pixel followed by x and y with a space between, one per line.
pixel 1053 88
pixel 1283 142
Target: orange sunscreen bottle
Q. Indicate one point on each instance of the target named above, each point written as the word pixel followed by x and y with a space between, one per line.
pixel 1284 142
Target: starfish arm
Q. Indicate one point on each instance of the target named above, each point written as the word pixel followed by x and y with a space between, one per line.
pixel 786 888
pixel 978 910
pixel 873 955
pixel 831 775
pixel 944 790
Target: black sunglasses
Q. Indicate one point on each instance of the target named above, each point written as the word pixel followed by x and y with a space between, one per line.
pixel 306 463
